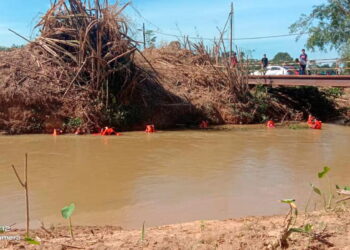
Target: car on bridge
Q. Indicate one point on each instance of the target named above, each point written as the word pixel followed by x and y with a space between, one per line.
pixel 276 71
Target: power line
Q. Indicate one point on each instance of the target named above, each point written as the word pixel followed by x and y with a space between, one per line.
pixel 140 15
pixel 235 39
pixel 159 31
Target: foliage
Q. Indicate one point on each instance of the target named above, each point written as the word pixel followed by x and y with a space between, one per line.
pixel 333 92
pixel 289 222
pixel 305 229
pixel 316 189
pixel 262 102
pixel 289 226
pixel 288 201
pixel 74 122
pixel 14 46
pixel 150 39
pixel 327 25
pixel 31 241
pixel 345 55
pixel 324 172
pixel 68 211
pixel 346 188
pixel 124 116
pixel 282 57
pixel 321 175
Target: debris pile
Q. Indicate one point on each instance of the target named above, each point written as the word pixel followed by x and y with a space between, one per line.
pixel 220 93
pixel 80 64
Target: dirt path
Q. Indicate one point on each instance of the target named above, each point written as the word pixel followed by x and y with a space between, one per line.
pixel 330 231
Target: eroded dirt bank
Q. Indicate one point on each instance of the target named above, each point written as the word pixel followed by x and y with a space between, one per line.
pixel 69 81
pixel 329 231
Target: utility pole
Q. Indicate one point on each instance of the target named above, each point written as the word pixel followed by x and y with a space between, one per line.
pixel 231 30
pixel 144 35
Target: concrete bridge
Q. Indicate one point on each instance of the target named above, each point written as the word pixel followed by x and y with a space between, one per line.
pixel 302 80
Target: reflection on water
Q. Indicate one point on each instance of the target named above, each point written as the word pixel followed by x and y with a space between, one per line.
pixel 168 177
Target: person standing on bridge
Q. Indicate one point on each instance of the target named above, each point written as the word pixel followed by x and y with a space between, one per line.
pixel 303 62
pixel 264 63
pixel 234 60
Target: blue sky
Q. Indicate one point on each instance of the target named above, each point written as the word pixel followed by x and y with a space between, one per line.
pixel 191 17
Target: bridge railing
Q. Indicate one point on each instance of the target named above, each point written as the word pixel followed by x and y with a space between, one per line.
pixel 315 66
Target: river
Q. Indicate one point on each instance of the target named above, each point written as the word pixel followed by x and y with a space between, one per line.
pixel 168 177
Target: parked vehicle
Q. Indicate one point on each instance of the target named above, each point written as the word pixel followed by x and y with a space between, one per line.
pixel 292 70
pixel 277 70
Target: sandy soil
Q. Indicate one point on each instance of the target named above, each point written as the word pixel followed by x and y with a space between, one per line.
pixel 330 231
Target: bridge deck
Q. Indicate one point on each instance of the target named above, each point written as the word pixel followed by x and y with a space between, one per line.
pixel 303 80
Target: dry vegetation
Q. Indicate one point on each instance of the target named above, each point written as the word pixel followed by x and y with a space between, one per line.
pixel 84 70
pixel 220 93
pixel 81 59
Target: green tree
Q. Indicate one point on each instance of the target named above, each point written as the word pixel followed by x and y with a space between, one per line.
pixel 345 54
pixel 150 39
pixel 282 57
pixel 14 46
pixel 327 26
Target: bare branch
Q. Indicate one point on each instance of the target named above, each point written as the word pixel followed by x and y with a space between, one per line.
pixel 18 178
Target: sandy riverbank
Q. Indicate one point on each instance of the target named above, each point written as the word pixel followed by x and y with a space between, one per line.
pixel 330 231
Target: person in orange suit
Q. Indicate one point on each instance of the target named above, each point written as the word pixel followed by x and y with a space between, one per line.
pixel 108 131
pixel 270 124
pixel 204 124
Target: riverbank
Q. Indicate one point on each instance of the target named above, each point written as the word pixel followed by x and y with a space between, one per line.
pixel 181 92
pixel 330 230
pixel 54 84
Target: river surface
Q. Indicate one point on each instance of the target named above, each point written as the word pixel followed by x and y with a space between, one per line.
pixel 168 177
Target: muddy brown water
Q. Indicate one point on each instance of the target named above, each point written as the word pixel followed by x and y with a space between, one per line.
pixel 168 177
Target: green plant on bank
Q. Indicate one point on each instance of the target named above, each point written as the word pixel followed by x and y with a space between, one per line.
pixel 123 116
pixel 333 92
pixel 262 100
pixel 343 191
pixel 31 241
pixel 346 188
pixel 326 197
pixel 67 213
pixel 289 228
pixel 74 122
pixel 261 104
pixel 307 229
